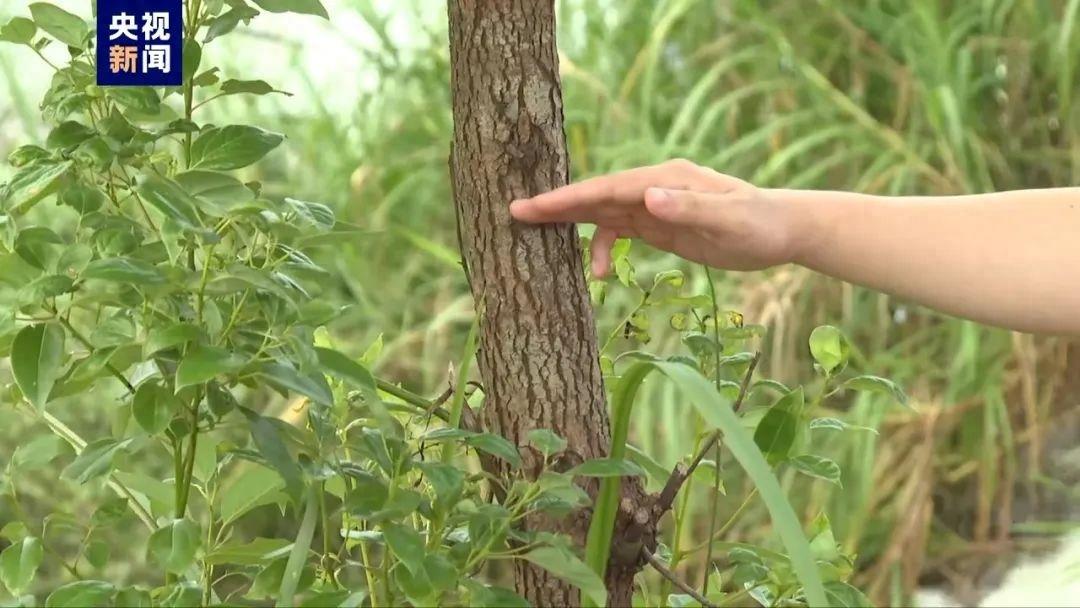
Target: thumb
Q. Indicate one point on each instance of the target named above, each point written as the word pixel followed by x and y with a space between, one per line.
pixel 682 207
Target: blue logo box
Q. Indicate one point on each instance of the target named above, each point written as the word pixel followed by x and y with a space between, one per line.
pixel 139 43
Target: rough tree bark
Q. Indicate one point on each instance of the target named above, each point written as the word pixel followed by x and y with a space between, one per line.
pixel 538 357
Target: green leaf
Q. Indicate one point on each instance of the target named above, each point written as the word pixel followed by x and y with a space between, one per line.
pixel 19 563
pixel 312 386
pixel 843 595
pixel 204 364
pixel 36 359
pixel 217 192
pixel 60 24
pixel 308 7
pixel 37 245
pixel 37 453
pixel 316 214
pixel 272 447
pixel 124 270
pixel 174 546
pixel 68 135
pixel 829 348
pixel 571 569
pixel 192 54
pixel 496 445
pixel 81 594
pixel 778 430
pixel 19 30
pixel 294 568
pixel 340 366
pixel 447 481
pixel 232 147
pixel 546 441
pixel 256 487
pixel 483 596
pixel 227 22
pixel 406 544
pixel 141 100
pixel 171 200
pixel 874 384
pixel 170 336
pixel 255 553
pixel 33 183
pixel 832 424
pixel 82 199
pixel 95 460
pixel 154 407
pixel 249 87
pixel 608 467
pixel 817 466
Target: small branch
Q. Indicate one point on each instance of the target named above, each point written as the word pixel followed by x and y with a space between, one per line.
pixel 669 575
pixel 681 472
pixel 426 406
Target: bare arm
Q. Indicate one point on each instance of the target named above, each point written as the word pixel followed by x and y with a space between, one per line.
pixel 1010 259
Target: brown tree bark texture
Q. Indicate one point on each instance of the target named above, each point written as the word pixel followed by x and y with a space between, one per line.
pixel 538 356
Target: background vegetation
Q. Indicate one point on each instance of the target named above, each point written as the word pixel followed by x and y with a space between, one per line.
pixel 914 96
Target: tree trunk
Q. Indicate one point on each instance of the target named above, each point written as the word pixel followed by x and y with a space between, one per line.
pixel 538 357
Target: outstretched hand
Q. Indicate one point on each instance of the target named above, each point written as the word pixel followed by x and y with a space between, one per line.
pixel 677 206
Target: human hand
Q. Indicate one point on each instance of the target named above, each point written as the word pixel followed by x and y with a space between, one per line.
pixel 677 206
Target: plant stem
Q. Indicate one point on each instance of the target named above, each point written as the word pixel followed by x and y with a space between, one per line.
pixel 294 567
pixel 189 461
pixel 671 578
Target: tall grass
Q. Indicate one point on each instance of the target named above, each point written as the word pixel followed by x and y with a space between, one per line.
pixel 883 96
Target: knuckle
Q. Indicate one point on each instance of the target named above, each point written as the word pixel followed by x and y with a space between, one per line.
pixel 681 164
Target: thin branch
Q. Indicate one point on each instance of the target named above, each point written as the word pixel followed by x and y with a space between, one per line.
pixel 669 575
pixel 681 472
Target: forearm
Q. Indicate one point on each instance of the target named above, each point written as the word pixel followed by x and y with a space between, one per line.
pixel 1009 259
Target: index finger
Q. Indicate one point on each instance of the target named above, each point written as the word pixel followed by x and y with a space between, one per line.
pixel 595 198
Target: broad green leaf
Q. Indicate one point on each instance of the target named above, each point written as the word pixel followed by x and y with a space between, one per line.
pixel 141 100
pixel 68 134
pixel 133 597
pixel 571 569
pixel 778 430
pixel 31 184
pixel 38 246
pixel 317 214
pixel 608 467
pixel 60 24
pixel 272 447
pixel 82 199
pixel 227 21
pixel 406 544
pixel 256 487
pixel 546 441
pixel 124 270
pixel 257 552
pixel 832 424
pixel 496 445
pixel 817 466
pixel 483 596
pixel 829 348
pixel 95 460
pixel 312 386
pixel 154 407
pixel 37 453
pixel 192 54
pixel 217 192
pixel 36 359
pixel 171 336
pixel 173 547
pixel 843 595
pixel 309 7
pixel 874 384
pixel 250 87
pixel 447 481
pixel 232 147
pixel 337 365
pixel 205 363
pixel 19 563
pixel 161 495
pixel 171 200
pixel 81 594
pixel 19 30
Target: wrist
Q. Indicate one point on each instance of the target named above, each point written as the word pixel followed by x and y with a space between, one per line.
pixel 812 218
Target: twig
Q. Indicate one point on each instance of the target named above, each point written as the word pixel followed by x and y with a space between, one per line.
pixel 669 575
pixel 681 472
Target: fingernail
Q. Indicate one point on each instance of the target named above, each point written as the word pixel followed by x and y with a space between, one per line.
pixel 658 195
